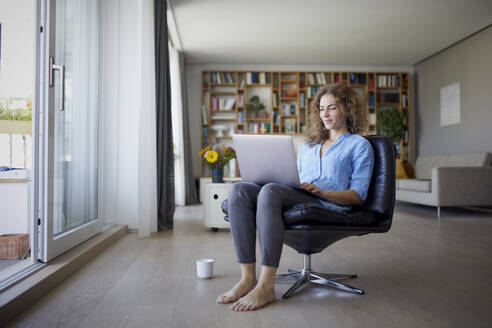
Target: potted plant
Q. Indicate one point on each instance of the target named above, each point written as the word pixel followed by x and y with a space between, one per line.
pixel 216 157
pixel 390 124
pixel 254 106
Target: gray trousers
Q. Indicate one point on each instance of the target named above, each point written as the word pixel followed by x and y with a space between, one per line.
pixel 259 208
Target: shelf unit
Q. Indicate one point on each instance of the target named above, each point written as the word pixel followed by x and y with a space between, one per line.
pixel 287 96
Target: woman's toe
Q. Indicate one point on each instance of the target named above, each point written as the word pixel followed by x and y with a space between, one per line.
pixel 242 307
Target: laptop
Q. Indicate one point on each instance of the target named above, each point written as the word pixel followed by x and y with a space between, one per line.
pixel 264 159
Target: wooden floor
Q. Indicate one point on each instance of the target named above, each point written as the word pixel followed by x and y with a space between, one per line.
pixel 423 273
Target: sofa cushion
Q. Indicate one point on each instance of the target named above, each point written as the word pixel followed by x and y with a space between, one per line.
pixel 414 185
pixel 424 165
pixel 469 159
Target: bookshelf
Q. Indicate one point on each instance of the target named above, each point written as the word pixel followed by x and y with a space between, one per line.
pixel 287 96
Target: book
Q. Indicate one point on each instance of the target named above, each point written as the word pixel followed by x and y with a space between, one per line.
pixel 205 134
pixel 262 78
pixel 240 100
pixel 204 114
pixel 311 79
pixel 293 109
pixel 275 117
pixel 249 78
pixel 372 118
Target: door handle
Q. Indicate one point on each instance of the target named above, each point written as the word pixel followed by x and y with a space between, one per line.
pixel 61 68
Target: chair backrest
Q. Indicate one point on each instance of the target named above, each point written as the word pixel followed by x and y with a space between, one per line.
pixel 381 194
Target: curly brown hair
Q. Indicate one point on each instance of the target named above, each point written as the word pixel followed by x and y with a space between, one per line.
pixel 348 101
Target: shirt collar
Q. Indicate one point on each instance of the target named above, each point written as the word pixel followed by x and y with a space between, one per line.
pixel 344 135
pixel 340 138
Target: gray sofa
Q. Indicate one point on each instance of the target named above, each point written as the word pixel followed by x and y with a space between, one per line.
pixel 463 179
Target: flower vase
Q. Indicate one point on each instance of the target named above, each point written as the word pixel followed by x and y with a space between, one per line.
pixel 217 174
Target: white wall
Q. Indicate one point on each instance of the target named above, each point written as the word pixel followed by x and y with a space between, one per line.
pixel 17 49
pixel 470 63
pixel 193 72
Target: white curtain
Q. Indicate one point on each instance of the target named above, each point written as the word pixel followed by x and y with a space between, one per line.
pixel 128 112
pixel 177 122
pixel 76 128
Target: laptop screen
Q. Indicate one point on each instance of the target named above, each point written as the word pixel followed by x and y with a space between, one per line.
pixel 264 159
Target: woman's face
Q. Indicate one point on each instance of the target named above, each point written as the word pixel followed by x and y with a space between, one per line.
pixel 330 114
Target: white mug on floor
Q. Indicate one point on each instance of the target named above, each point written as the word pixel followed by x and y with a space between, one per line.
pixel 205 268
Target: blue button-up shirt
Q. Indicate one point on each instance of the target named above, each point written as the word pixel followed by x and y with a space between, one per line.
pixel 345 165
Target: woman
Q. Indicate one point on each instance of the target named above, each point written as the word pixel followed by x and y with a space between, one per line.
pixel 335 164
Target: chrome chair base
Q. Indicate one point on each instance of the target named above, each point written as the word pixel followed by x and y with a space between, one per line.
pixel 306 275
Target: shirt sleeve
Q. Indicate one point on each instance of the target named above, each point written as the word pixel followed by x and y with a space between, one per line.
pixel 362 165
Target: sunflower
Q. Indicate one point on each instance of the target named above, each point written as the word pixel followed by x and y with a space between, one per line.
pixel 212 156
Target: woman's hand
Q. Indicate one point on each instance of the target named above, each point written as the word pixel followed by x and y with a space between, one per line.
pixel 312 188
pixel 344 197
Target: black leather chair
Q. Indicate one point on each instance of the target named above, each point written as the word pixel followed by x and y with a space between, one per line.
pixel 310 229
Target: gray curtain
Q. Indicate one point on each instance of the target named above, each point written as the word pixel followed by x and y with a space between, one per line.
pixel 165 152
pixel 190 190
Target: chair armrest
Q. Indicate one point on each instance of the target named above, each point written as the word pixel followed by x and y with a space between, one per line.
pixel 462 186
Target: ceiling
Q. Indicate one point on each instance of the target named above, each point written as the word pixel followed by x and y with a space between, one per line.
pixel 324 32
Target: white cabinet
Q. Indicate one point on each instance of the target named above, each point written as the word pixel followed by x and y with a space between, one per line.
pixel 214 195
pixel 205 181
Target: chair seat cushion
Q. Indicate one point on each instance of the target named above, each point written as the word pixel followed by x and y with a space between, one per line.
pixel 317 216
pixel 414 185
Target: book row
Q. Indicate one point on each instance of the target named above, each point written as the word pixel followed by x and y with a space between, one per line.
pixel 357 78
pixel 222 103
pixel 388 81
pixel 222 78
pixel 258 127
pixel 311 91
pixel 318 78
pixel 393 98
pixel 257 77
pixel 289 108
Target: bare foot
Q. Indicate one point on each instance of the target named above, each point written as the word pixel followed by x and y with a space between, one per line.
pixel 242 288
pixel 257 298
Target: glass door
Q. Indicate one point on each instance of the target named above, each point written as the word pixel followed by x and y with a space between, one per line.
pixel 70 128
